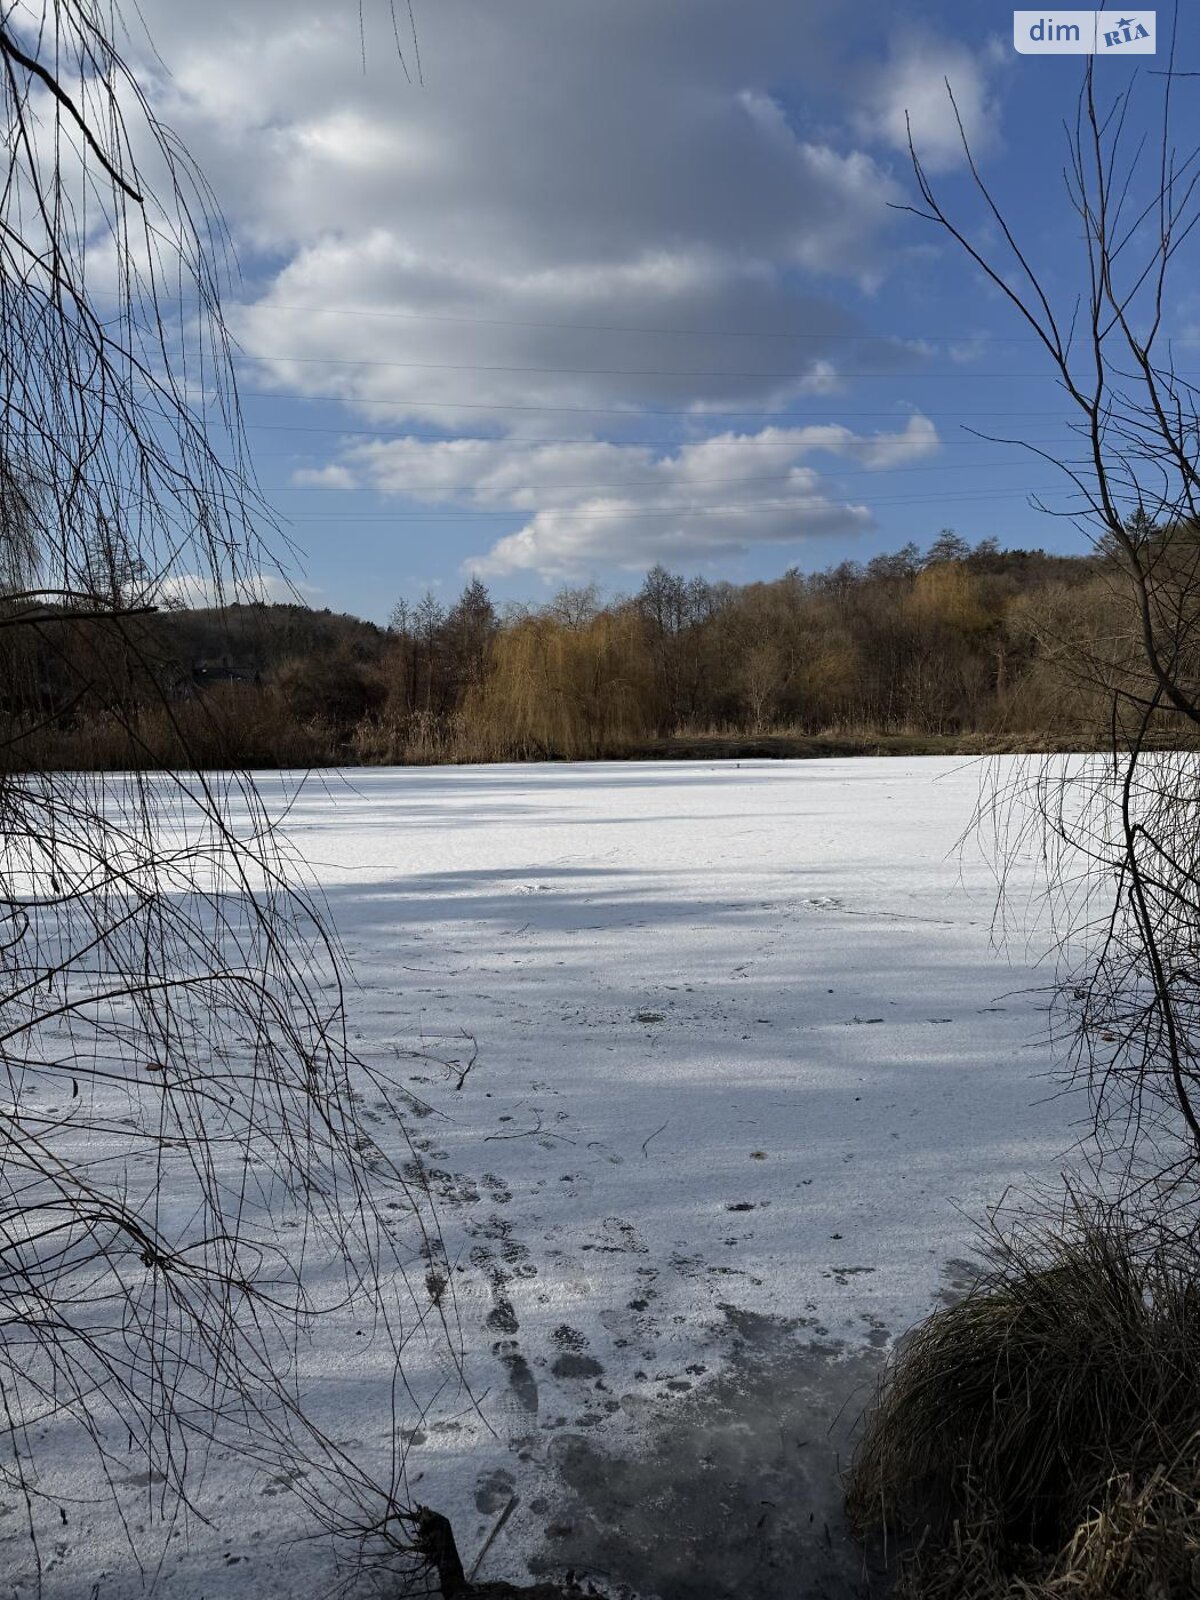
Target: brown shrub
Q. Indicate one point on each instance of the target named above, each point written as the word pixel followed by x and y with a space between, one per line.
pixel 1042 1437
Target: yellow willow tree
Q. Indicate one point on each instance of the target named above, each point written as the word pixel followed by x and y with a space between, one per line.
pixel 946 673
pixel 561 691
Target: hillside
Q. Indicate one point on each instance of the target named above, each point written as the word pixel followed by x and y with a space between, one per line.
pixel 953 649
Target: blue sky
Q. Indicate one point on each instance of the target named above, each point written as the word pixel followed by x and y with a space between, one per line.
pixel 601 285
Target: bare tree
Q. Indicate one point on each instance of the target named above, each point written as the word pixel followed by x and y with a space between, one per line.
pixel 1120 832
pixel 178 1124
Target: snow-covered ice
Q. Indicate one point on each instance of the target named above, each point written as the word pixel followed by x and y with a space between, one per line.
pixel 705 1059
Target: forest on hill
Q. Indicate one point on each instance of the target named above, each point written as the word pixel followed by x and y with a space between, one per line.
pixel 956 647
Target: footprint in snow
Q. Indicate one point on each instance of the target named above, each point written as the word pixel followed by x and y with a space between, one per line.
pixel 518 1406
pixel 501 1260
pixel 575 1185
pixel 568 1338
pixel 573 1361
pixel 616 1237
pixel 493 1491
pixel 636 1322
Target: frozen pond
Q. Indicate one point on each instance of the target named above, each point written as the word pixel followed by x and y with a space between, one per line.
pixel 711 1066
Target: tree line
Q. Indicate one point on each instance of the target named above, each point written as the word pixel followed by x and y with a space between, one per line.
pixel 952 644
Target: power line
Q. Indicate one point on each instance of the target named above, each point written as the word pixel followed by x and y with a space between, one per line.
pixel 610 327
pixel 525 443
pixel 629 412
pixel 635 483
pixel 746 507
pixel 940 335
pixel 618 372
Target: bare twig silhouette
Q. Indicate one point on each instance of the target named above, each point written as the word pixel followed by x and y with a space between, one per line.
pixel 1119 833
pixel 179 1138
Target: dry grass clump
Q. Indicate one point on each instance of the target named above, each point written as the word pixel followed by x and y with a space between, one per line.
pixel 1042 1437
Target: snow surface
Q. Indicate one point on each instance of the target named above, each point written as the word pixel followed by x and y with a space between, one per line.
pixel 740 1044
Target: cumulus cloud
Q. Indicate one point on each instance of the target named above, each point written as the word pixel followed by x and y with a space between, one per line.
pixel 585 219
pixel 909 91
pixel 623 532
pixel 566 171
pixel 517 348
pixel 595 505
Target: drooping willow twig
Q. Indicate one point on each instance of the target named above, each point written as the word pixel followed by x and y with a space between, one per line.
pixel 178 1127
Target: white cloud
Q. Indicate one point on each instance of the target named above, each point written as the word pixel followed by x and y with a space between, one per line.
pixel 909 91
pixel 633 534
pixel 456 343
pixel 595 505
pixel 917 442
pixel 587 219
pixel 564 170
pixel 964 351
